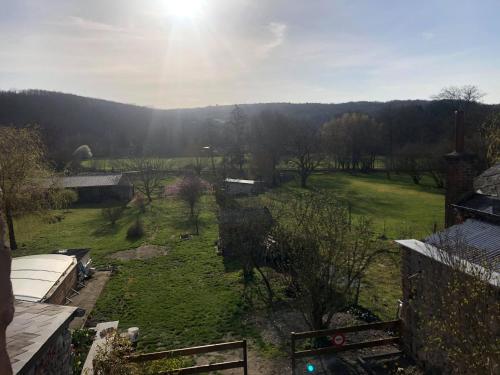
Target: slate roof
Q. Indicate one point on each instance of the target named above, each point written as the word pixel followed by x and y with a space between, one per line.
pixel 33 327
pixel 480 203
pixel 488 182
pixel 481 239
pixel 91 180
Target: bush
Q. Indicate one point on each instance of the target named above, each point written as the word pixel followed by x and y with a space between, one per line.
pixel 81 340
pixel 112 214
pixel 136 230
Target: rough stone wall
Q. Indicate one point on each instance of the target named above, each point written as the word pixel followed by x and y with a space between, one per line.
pixel 56 357
pixel 422 277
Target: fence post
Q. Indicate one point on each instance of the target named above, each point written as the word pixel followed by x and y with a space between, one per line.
pixel 292 336
pixel 245 359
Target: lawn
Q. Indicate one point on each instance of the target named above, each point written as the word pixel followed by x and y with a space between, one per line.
pixel 187 297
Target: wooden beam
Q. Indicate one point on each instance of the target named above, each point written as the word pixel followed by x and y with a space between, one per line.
pixel 334 349
pixel 205 368
pixel 394 324
pixel 186 351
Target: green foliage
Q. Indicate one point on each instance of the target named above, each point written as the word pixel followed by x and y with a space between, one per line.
pixel 81 341
pixel 112 214
pixel 109 358
pixel 136 230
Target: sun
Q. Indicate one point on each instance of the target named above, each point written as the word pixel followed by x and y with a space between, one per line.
pixel 184 8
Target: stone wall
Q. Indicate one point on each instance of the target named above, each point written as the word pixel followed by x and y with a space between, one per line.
pixel 423 278
pixel 55 358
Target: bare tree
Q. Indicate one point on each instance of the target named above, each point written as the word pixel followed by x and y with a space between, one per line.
pixel 322 255
pixel 461 96
pixel 22 174
pixel 268 139
pixel 236 142
pixel 189 189
pixel 304 147
pixel 458 307
pixel 148 174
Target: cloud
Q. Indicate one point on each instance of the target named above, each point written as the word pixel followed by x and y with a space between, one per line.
pixel 278 34
pixel 427 35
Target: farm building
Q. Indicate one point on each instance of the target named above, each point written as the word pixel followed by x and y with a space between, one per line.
pixel 470 242
pixel 233 186
pixel 44 278
pixel 99 188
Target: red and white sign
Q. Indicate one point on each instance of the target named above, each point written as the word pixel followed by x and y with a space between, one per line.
pixel 338 339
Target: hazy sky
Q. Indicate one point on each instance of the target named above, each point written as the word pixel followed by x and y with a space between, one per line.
pixel 185 53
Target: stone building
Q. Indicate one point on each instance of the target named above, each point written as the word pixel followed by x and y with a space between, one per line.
pixel 471 238
pixel 38 339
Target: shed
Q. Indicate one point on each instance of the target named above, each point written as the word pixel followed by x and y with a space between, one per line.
pixel 44 278
pixel 99 188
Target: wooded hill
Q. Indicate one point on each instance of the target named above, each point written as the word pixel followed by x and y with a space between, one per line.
pixel 114 129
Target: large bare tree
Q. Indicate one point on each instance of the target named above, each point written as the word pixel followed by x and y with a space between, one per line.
pixel 148 174
pixel 304 147
pixel 322 255
pixel 461 96
pixel 23 170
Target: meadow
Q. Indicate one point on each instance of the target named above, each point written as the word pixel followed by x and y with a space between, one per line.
pixel 188 297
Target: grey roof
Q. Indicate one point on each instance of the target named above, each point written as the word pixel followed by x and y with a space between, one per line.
pixel 481 240
pixel 488 182
pixel 91 180
pixel 485 204
pixel 34 325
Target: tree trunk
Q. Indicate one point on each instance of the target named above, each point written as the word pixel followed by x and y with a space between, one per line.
pixel 10 225
pixel 303 180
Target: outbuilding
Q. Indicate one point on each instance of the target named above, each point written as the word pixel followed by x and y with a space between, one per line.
pixel 99 188
pixel 44 278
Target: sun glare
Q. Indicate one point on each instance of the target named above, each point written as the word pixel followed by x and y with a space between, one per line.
pixel 184 8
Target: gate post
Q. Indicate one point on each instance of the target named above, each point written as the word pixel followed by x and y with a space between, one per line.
pixel 245 358
pixel 292 337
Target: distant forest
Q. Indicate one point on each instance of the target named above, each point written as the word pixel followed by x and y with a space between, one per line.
pixel 351 134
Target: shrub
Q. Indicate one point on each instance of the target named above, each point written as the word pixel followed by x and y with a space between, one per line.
pixel 136 230
pixel 81 340
pixel 112 214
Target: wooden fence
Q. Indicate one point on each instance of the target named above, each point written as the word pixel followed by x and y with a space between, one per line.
pixel 198 350
pixel 393 325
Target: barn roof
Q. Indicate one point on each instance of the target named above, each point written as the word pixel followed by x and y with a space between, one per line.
pixel 90 180
pixel 488 182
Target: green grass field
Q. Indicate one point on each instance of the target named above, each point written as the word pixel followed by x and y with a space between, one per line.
pixel 176 163
pixel 187 297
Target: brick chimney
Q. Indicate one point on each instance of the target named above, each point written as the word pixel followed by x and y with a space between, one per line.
pixel 460 172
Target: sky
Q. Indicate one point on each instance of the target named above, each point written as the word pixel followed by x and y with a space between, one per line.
pixel 191 53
